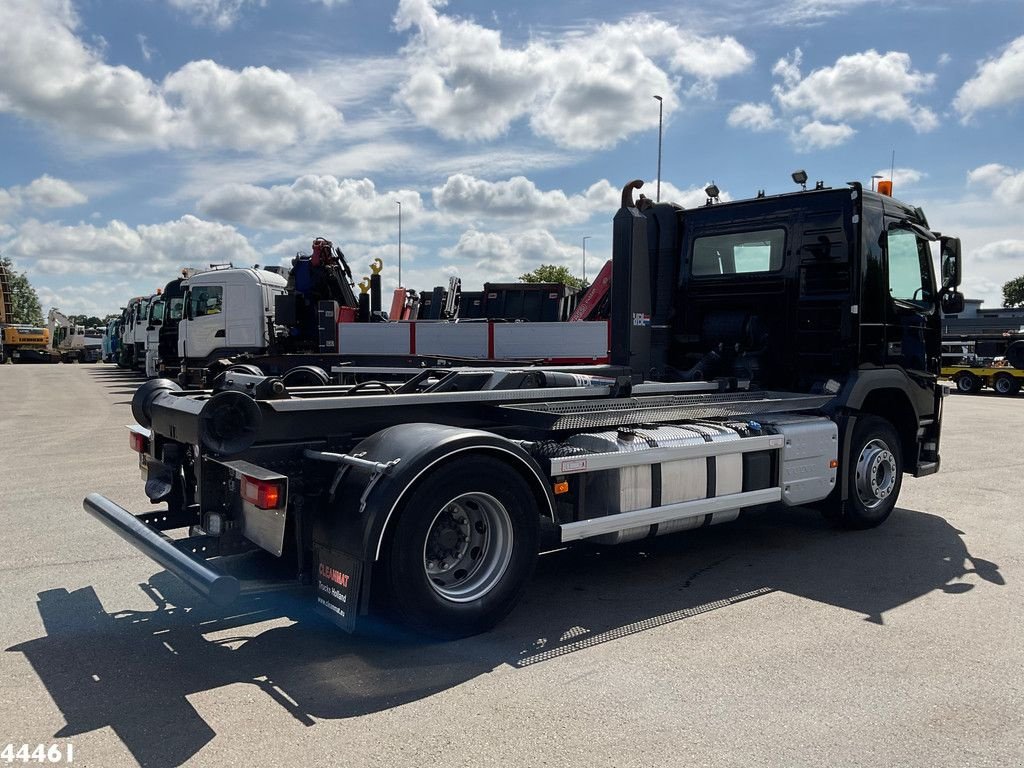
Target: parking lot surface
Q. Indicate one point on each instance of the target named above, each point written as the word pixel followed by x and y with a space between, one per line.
pixel 774 640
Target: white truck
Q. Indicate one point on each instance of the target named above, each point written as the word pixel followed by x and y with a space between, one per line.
pixel 232 312
pixel 227 312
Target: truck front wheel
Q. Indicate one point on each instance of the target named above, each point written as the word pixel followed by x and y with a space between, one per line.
pixel 462 549
pixel 875 473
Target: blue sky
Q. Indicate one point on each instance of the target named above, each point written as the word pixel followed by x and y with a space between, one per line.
pixel 142 136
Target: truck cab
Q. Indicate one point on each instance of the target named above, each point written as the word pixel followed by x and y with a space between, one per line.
pixel 823 290
pixel 167 345
pixel 154 323
pixel 227 312
pixel 110 340
pixel 132 317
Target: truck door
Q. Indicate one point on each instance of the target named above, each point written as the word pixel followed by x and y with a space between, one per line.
pixel 205 321
pixel 910 311
pixel 244 310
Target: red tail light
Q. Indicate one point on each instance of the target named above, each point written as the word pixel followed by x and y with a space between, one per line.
pixel 265 494
pixel 138 442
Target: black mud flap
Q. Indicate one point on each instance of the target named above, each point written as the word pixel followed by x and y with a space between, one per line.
pixel 338 577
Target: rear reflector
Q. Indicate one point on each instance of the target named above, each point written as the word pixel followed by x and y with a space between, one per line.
pixel 138 442
pixel 264 494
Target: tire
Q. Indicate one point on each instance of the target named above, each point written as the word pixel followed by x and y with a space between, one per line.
pixel 875 475
pixel 967 383
pixel 306 376
pixel 463 548
pixel 248 370
pixel 1005 384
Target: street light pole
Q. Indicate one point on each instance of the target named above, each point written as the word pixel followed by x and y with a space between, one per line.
pixel 661 105
pixel 399 203
pixel 585 258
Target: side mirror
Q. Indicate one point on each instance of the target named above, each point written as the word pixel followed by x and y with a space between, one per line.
pixel 952 303
pixel 952 270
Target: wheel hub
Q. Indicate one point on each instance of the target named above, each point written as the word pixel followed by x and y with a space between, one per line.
pixel 875 473
pixel 468 547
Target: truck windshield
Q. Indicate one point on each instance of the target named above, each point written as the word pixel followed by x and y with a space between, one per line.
pixel 740 252
pixel 156 311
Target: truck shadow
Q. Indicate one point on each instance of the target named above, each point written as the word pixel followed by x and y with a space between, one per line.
pixel 133 670
pixel 118 381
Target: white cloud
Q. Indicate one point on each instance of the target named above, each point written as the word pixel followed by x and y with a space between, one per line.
pixel 216 13
pixel 817 109
pixel 48 192
pixel 151 252
pixel 144 49
pixel 902 177
pixel 861 86
pixel 480 257
pixel 999 81
pixel 755 117
pixel 44 192
pixel 48 73
pixel 584 91
pixel 1007 184
pixel 518 197
pixel 256 107
pixel 1002 250
pixel 353 208
pixel 817 135
pixel 806 12
pixel 789 68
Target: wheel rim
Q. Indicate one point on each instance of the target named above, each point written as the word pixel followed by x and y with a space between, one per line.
pixel 468 547
pixel 876 473
pixel 965 383
pixel 1003 385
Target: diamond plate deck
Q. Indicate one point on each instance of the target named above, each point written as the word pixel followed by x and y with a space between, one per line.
pixel 604 413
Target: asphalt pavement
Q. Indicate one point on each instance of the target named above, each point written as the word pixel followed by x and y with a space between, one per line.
pixel 774 640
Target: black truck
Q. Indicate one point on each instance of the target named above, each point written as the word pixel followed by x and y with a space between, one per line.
pixel 779 349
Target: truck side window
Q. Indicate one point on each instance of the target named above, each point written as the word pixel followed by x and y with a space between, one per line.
pixel 909 273
pixel 174 313
pixel 737 253
pixel 206 300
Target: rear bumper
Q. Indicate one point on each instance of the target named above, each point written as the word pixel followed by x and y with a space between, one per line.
pixel 220 588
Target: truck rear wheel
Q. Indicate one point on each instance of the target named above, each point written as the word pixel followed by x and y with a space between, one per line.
pixel 462 549
pixel 1005 384
pixel 967 383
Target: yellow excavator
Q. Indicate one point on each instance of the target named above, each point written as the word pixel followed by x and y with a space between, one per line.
pixel 19 343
